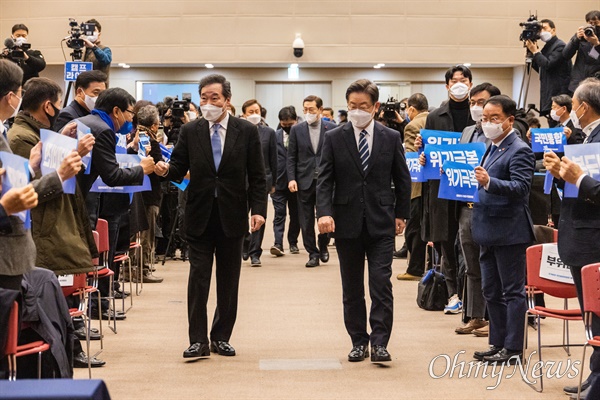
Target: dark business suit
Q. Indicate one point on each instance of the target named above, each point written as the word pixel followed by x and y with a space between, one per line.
pixel 302 167
pixel 216 216
pixel 283 196
pixel 269 150
pixel 364 207
pixel 579 236
pixel 503 228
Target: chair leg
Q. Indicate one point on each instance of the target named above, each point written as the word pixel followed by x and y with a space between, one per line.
pixel 581 373
pixel 40 365
pixel 12 367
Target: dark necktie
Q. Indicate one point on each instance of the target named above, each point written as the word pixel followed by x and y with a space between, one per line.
pixel 363 150
pixel 493 149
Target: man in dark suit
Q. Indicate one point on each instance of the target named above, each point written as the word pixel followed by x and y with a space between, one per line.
pixel 304 153
pixel 251 111
pixel 554 70
pixel 88 86
pixel 355 200
pixel 223 155
pixel 580 217
pixel 282 195
pixel 503 228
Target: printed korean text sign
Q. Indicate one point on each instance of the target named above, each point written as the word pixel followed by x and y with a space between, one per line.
pixel 74 68
pixel 458 182
pixel 55 147
pixel 587 156
pixel 125 161
pixel 16 175
pixel 439 138
pixel 552 267
pixel 414 167
pixel 467 153
pixel 548 139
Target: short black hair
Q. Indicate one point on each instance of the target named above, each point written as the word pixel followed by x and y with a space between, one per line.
pixel 328 109
pixel 459 68
pixel 485 87
pixel 592 14
pixel 11 77
pixel 38 91
pixel 419 102
pixel 216 78
pixel 20 27
pixel 508 105
pixel 95 22
pixel 288 112
pixel 249 103
pixel 549 22
pixel 343 112
pixel 533 122
pixel 364 86
pixel 84 79
pixel 318 101
pixel 564 100
pixel 114 97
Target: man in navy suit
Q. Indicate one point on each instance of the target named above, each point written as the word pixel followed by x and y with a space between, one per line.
pixel 304 153
pixel 282 195
pixel 580 217
pixel 355 200
pixel 502 226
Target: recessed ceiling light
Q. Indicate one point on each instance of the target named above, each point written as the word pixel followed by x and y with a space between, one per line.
pixel 377 66
pixel 126 66
pixel 209 66
pixel 467 64
pixel 381 65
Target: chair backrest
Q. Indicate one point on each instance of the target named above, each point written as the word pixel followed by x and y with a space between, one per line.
pixel 102 229
pixel 13 330
pixel 96 260
pixel 79 282
pixel 590 281
pixel 552 288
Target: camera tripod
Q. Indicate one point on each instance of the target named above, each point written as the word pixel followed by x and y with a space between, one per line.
pixel 522 103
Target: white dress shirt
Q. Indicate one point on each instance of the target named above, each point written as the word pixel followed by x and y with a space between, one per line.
pixel 368 136
pixel 222 130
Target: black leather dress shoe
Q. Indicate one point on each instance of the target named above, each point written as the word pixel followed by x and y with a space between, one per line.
pixel 380 354
pixel 573 389
pixel 324 255
pixel 294 249
pixel 197 350
pixel 478 355
pixel 94 333
pixel 106 315
pixel 222 347
pixel 358 353
pixel 312 262
pixel 505 356
pixel 81 361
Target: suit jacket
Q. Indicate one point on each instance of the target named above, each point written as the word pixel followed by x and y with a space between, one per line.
pixel 411 130
pixel 579 227
pixel 576 134
pixel 282 151
pixel 585 65
pixel 302 160
pixel 68 114
pixel 554 70
pixel 241 159
pixel 502 217
pixel 268 144
pixel 363 195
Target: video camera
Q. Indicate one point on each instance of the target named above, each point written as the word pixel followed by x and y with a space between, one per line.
pixel 15 51
pixel 75 40
pixel 531 29
pixel 391 107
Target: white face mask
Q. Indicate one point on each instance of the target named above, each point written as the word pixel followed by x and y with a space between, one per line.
pixel 575 118
pixel 254 119
pixel 311 118
pixel 192 115
pixel 492 131
pixel 476 113
pixel 90 102
pixel 545 36
pixel 93 38
pixel 554 115
pixel 211 113
pixel 20 41
pixel 14 114
pixel 359 118
pixel 459 91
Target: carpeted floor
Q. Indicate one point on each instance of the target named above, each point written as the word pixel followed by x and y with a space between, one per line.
pixel 292 344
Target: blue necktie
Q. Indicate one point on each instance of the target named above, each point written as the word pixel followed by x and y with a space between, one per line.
pixel 363 150
pixel 215 141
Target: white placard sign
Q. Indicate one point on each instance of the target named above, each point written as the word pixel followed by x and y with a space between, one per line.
pixel 552 267
pixel 65 280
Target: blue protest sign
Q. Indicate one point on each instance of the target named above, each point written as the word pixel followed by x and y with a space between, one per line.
pixel 439 138
pixel 166 154
pixel 121 147
pixel 415 169
pixel 55 147
pixel 458 182
pixel 183 185
pixel 16 176
pixel 467 153
pixel 125 161
pixel 587 156
pixel 548 139
pixel 548 179
pixel 74 68
pixel 83 130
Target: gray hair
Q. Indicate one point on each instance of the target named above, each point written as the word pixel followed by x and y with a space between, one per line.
pixel 589 91
pixel 148 116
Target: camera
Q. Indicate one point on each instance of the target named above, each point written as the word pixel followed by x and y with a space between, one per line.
pixel 298 46
pixel 14 50
pixel 179 108
pixel 390 108
pixel 75 40
pixel 589 31
pixel 531 29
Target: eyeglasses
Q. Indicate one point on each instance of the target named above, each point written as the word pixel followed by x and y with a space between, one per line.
pixel 131 112
pixel 493 120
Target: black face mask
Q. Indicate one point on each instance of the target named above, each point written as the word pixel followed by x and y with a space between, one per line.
pixel 52 118
pixel 287 129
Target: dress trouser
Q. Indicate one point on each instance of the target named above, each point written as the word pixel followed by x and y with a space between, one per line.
pixel 256 239
pixel 307 200
pixel 470 249
pixel 148 237
pixel 281 198
pixel 227 251
pixel 415 245
pixel 449 262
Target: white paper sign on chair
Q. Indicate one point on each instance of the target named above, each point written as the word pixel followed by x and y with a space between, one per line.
pixel 552 267
pixel 65 280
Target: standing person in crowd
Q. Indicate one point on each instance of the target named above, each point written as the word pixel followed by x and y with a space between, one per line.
pixel 587 62
pixel 562 105
pixel 88 86
pixel 32 62
pixel 95 52
pixel 356 203
pixel 328 115
pixel 502 227
pixel 417 113
pixel 304 153
pixel 342 117
pixel 553 68
pixel 282 196
pixel 580 217
pixel 251 111
pixel 224 158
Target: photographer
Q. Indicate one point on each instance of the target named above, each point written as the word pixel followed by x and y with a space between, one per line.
pixel 587 46
pixel 31 61
pixel 553 68
pixel 99 55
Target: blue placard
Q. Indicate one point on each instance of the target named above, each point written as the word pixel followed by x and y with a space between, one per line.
pixel 16 176
pixel 55 147
pixel 183 185
pixel 125 161
pixel 121 146
pixel 166 154
pixel 548 179
pixel 466 153
pixel 548 139
pixel 458 182
pixel 83 130
pixel 439 138
pixel 74 68
pixel 587 156
pixel 415 169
